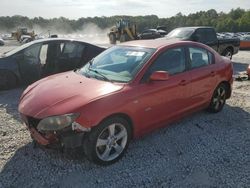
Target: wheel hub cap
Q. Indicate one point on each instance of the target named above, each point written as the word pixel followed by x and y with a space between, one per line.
pixel 111 142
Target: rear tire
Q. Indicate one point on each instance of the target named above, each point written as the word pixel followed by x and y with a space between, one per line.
pixel 107 142
pixel 218 99
pixel 7 80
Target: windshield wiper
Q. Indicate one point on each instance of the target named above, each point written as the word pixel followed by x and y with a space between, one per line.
pixel 97 72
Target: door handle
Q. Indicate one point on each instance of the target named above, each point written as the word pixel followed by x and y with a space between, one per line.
pixel 183 82
pixel 212 73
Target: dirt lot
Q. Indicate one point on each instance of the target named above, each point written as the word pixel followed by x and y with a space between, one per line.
pixel 202 150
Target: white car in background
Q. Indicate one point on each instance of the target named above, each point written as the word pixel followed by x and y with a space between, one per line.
pixel 1 42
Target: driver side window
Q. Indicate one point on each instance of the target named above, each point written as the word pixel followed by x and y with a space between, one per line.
pixel 33 51
pixel 173 61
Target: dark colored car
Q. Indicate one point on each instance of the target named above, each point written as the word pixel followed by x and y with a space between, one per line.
pixel 207 35
pixel 125 92
pixel 152 34
pixel 41 58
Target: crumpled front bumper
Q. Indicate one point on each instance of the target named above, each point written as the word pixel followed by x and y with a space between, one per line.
pixel 38 137
pixel 66 138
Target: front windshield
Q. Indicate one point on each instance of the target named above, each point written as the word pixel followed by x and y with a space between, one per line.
pixel 118 63
pixel 17 49
pixel 180 33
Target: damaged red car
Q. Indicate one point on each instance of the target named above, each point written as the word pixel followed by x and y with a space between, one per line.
pixel 126 91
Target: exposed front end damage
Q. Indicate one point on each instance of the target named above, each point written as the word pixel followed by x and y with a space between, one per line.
pixel 69 137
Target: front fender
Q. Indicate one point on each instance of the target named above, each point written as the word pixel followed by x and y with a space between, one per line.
pixel 9 64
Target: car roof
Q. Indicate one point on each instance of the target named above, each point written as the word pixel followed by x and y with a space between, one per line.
pixel 196 27
pixel 150 30
pixel 66 39
pixel 154 43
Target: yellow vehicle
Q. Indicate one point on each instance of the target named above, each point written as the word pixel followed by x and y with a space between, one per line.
pixel 22 31
pixel 122 31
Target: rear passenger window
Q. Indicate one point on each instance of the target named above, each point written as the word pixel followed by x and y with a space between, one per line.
pixel 201 35
pixel 73 50
pixel 199 57
pixel 172 61
pixel 211 57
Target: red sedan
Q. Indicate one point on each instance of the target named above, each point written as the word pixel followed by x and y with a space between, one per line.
pixel 126 91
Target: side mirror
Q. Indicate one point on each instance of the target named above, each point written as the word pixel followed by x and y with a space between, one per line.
pixel 159 76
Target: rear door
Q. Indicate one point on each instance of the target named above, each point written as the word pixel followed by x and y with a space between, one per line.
pixel 90 51
pixel 203 74
pixel 71 56
pixel 50 52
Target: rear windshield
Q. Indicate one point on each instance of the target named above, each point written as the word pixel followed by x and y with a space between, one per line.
pixel 181 33
pixel 17 49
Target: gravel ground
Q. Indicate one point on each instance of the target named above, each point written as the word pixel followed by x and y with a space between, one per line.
pixel 202 150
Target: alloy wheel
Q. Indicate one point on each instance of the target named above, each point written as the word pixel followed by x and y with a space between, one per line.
pixel 111 142
pixel 219 98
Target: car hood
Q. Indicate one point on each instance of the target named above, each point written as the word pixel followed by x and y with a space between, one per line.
pixel 63 93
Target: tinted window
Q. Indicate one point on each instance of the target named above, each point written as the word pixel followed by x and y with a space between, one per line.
pixel 201 35
pixel 172 61
pixel 211 57
pixel 181 33
pixel 18 49
pixel 146 32
pixel 72 50
pixel 210 35
pixel 43 53
pixel 33 51
pixel 198 57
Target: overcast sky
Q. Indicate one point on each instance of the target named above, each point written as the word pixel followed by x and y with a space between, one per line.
pixel 74 9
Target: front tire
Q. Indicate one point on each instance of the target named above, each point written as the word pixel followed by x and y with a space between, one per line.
pixel 108 142
pixel 218 99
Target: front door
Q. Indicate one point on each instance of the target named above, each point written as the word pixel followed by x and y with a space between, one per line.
pixel 163 100
pixel 71 56
pixel 29 63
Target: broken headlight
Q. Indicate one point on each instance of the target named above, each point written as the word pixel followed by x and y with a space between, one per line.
pixel 55 123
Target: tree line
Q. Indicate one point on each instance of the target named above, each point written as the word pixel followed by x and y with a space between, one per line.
pixel 237 20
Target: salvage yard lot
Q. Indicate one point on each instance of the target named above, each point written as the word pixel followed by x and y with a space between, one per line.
pixel 202 150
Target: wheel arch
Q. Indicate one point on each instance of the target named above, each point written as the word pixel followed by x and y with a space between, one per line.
pixel 124 116
pixel 228 88
pixel 229 48
pixel 13 73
